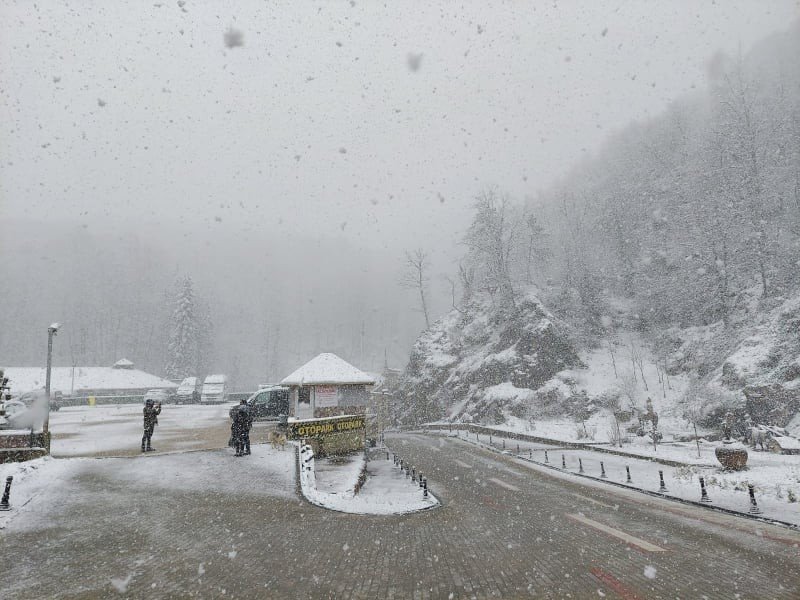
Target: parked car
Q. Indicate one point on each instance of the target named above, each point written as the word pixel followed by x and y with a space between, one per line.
pixel 157 396
pixel 188 391
pixel 268 403
pixel 11 414
pixel 214 389
pixel 28 398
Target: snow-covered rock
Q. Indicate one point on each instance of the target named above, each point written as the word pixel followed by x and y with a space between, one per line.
pixel 482 361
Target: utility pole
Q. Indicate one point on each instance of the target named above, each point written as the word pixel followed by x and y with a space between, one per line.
pixel 51 331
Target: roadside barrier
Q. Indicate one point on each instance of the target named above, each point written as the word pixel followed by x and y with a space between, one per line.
pixel 4 503
pixel 754 510
pixel 703 494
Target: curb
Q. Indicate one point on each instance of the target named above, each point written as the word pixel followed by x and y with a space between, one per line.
pixel 730 511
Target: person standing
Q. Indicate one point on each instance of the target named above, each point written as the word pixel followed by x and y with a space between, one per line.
pixel 151 413
pixel 241 429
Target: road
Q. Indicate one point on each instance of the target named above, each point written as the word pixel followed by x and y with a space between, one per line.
pixel 506 530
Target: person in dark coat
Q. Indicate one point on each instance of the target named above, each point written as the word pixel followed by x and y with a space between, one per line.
pixel 240 429
pixel 151 413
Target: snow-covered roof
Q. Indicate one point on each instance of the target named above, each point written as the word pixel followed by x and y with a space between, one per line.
pixel 328 369
pixel 26 379
pixel 123 363
pixel 216 379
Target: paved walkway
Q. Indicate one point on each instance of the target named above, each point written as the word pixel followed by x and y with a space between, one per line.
pixel 506 530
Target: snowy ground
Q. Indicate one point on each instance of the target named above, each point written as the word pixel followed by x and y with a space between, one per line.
pixel 117 428
pixel 776 478
pixel 42 486
pixel 330 483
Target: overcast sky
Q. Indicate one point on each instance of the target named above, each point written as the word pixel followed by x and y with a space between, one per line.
pixel 131 112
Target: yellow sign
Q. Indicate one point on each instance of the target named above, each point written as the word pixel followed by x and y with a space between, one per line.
pixel 319 428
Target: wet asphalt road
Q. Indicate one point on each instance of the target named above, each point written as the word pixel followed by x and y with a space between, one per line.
pixel 505 530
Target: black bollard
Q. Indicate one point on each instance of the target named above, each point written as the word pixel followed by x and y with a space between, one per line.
pixel 602 470
pixel 477 438
pixel 425 488
pixel 504 443
pixel 563 462
pixel 517 448
pixel 420 480
pixel 547 462
pixel 387 455
pixel 628 471
pixel 490 439
pixel 413 474
pixel 703 494
pixel 580 466
pixel 662 487
pixel 754 510
pixel 4 504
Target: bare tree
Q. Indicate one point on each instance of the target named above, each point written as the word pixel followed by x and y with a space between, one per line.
pixel 415 277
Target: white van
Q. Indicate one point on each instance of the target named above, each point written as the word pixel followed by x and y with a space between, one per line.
pixel 214 389
pixel 188 391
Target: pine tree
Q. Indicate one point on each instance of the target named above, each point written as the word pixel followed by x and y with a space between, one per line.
pixel 182 350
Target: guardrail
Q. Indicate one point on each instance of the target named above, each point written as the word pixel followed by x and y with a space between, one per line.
pixel 513 435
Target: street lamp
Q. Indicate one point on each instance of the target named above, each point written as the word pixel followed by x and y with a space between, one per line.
pixel 51 331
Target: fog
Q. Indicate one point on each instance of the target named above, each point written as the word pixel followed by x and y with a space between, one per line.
pixel 285 156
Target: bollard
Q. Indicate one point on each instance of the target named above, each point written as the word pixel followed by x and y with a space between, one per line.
pixel 425 488
pixel 517 448
pixel 602 470
pixel 628 471
pixel 490 439
pixel 754 510
pixel 530 453
pixel 413 474
pixel 387 455
pixel 580 466
pixel 662 487
pixel 504 443
pixel 408 471
pixel 703 494
pixel 420 479
pixel 4 504
pixel 563 462
pixel 477 438
pixel 547 462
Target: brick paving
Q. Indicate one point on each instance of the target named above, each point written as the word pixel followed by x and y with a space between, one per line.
pixel 485 542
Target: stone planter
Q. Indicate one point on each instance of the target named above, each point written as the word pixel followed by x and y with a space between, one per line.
pixel 732 456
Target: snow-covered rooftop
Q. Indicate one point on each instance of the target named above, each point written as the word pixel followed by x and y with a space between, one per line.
pixel 26 379
pixel 328 369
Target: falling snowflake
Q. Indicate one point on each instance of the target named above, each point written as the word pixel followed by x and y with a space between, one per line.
pixel 234 38
pixel 650 572
pixel 414 61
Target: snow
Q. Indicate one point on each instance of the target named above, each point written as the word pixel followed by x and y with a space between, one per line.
pixel 216 379
pixel 26 379
pixel 40 486
pixel 385 492
pixel 505 391
pixel 92 430
pixel 327 369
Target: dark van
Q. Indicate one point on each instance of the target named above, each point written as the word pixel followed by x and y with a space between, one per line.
pixel 269 403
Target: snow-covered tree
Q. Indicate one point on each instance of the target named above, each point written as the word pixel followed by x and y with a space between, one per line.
pixel 184 333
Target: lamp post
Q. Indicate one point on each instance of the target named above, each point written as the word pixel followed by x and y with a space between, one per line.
pixel 51 331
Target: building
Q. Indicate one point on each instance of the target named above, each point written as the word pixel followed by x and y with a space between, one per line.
pixel 121 379
pixel 328 386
